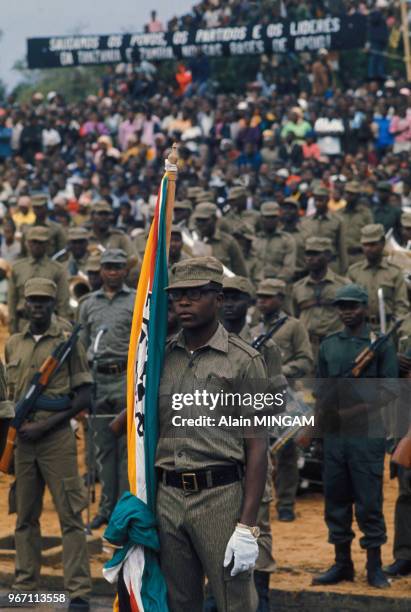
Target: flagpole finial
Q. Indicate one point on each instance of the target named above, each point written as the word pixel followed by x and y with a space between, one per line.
pixel 173 155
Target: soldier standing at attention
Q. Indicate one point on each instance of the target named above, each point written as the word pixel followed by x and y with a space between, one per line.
pixel 58 239
pixel 325 224
pixel 37 264
pixel 46 446
pixel 275 250
pixel 355 216
pixel 313 296
pixel 102 234
pixel 385 214
pixel 224 247
pixel 201 473
pixel 77 247
pixel 244 234
pixel 176 252
pixel 237 200
pixel 375 271
pixel 354 439
pixel 297 361
pixel 109 309
pixel 291 224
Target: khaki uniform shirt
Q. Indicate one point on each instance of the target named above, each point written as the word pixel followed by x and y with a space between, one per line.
pixel 25 356
pixel 271 355
pixel 115 239
pixel 299 240
pixel 225 363
pixel 255 273
pixel 139 243
pixel 277 255
pixel 354 219
pixel 329 226
pixel 227 250
pixel 233 219
pixel 27 268
pixel 57 242
pixel 293 342
pixel 390 278
pixel 115 313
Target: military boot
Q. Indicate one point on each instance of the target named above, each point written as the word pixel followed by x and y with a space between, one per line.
pixel 375 574
pixel 343 568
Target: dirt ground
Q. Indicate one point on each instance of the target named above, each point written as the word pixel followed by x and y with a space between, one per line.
pixel 300 548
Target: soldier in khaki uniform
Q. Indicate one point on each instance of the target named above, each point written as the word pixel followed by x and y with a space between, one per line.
pixel 238 292
pixel 275 250
pixel 375 271
pixel 57 240
pixel 103 235
pixel 176 252
pixel 355 216
pixel 182 211
pixel 297 362
pixel 35 265
pixel 201 472
pixel 237 200
pixel 224 247
pixel 245 236
pixel 325 224
pixel 77 251
pixel 46 445
pixel 291 224
pixel 313 296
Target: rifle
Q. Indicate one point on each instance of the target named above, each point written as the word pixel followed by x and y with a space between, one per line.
pixel 369 353
pixel 37 385
pixel 262 338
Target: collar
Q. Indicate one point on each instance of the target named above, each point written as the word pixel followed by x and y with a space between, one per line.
pixel 382 264
pixel 329 277
pixel 218 342
pixel 38 261
pixel 364 335
pixel 54 329
pixel 101 293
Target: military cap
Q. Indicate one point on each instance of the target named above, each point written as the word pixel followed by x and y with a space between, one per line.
pixel 406 219
pixel 238 283
pixel 351 293
pixel 38 232
pixel 205 210
pixel 114 256
pixel 102 206
pixel 93 263
pixel 204 196
pixel 372 233
pixel 196 272
pixel 193 191
pixel 290 201
pixel 183 204
pixel 315 243
pixel 384 186
pixel 38 199
pixel 319 190
pixel 270 209
pixel 236 192
pixel 176 229
pixel 78 233
pixel 245 230
pixel 353 187
pixel 40 286
pixel 271 286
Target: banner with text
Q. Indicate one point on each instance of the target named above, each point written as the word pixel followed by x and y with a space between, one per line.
pixel 343 32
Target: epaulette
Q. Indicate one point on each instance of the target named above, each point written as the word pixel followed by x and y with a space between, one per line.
pixel 237 341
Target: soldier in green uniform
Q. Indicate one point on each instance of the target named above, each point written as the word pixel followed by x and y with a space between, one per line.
pixel 108 312
pixel 201 473
pixel 325 224
pixel 385 214
pixel 275 250
pixel 58 238
pixel 46 445
pixel 238 293
pixel 375 271
pixel 245 236
pixel 223 246
pixel 291 224
pixel 237 200
pixel 313 295
pixel 35 265
pixel 350 416
pixel 297 361
pixel 355 216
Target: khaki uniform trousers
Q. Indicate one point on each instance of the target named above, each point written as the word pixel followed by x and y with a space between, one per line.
pixel 194 531
pixel 50 461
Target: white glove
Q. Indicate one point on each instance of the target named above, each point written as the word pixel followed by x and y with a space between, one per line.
pixel 243 546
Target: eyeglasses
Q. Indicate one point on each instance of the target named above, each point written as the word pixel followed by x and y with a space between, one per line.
pixel 193 294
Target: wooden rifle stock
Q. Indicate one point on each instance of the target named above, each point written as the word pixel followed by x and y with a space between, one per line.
pixel 402 454
pixel 7 456
pixel 119 424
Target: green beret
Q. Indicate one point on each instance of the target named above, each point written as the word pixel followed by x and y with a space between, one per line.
pixel 196 272
pixel 372 233
pixel 351 293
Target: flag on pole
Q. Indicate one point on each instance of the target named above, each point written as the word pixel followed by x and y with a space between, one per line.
pixel 132 527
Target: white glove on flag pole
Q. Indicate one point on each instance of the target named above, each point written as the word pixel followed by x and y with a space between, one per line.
pixel 244 548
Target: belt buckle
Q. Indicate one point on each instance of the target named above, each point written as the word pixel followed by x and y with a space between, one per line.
pixel 189 486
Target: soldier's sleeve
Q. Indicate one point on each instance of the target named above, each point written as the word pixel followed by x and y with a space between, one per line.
pixel 288 268
pixel 79 370
pixel 12 303
pixel 342 249
pixel 63 295
pixel 401 303
pixel 238 265
pixel 302 362
pixel 85 329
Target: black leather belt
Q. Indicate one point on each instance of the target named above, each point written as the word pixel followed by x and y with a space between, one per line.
pixel 112 368
pixel 201 479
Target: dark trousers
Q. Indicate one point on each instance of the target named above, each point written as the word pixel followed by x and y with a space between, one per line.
pixel 402 535
pixel 286 476
pixel 353 478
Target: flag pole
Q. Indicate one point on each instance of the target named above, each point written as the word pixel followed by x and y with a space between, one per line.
pixel 171 191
